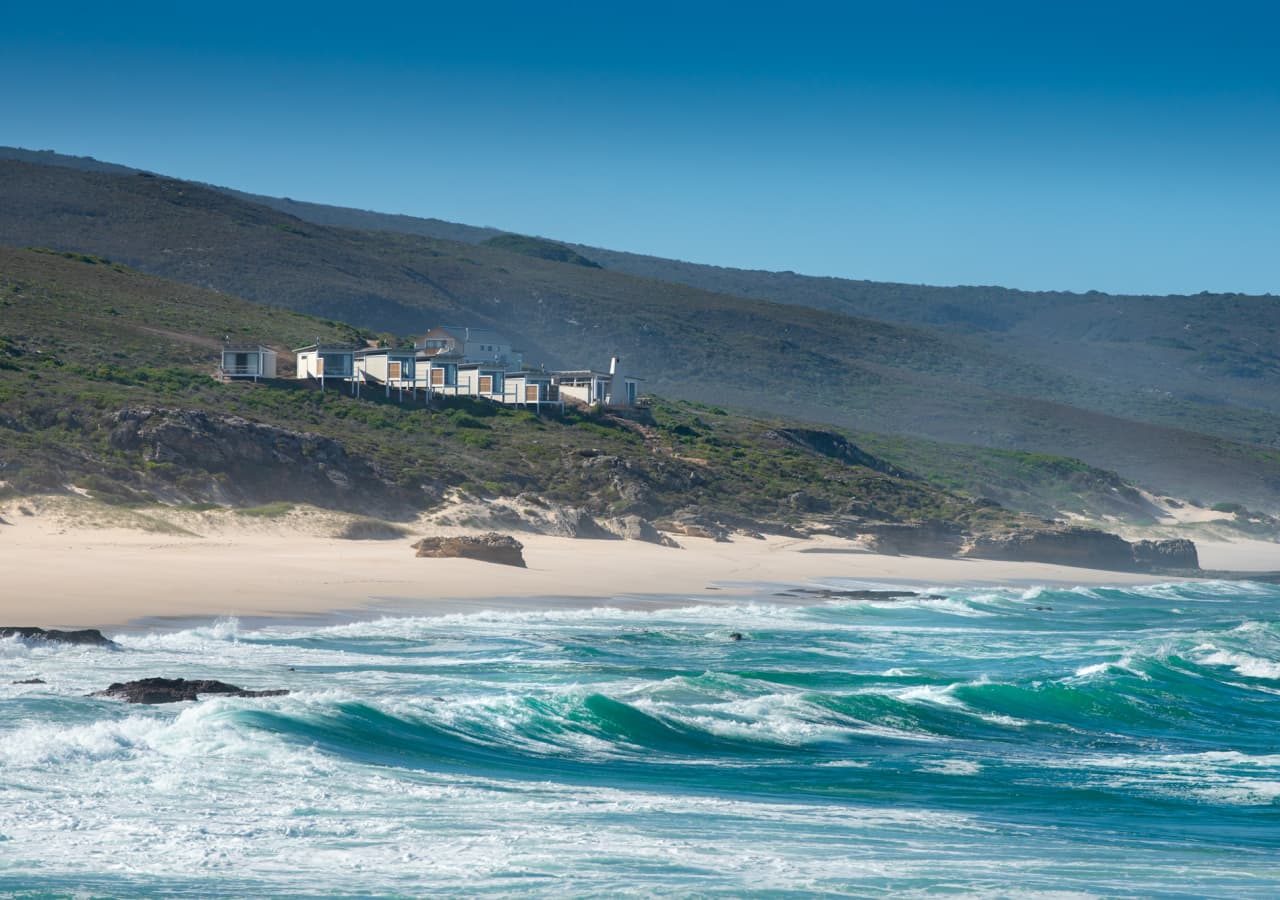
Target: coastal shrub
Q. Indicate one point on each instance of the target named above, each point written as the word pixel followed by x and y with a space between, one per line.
pixel 371 530
pixel 274 510
pixel 462 420
pixel 476 440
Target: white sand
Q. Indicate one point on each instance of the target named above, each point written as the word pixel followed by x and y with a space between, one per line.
pixel 1240 555
pixel 58 570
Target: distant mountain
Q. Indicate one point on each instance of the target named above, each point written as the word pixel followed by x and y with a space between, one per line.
pixel 1179 394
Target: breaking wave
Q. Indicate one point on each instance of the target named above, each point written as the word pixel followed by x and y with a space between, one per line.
pixel 1090 740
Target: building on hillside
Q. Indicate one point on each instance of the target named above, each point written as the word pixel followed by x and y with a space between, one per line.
pixel 484 380
pixel 247 361
pixel 326 363
pixel 535 389
pixel 439 374
pixel 392 369
pixel 587 387
pixel 469 345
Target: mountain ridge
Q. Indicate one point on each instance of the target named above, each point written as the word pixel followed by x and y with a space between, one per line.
pixel 944 383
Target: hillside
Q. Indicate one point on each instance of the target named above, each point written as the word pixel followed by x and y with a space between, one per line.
pixel 1219 349
pixel 84 338
pixel 950 384
pixel 104 385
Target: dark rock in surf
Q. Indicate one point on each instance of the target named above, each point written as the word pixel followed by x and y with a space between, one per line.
pixel 88 636
pixel 31 681
pixel 176 690
pixel 493 547
pixel 877 596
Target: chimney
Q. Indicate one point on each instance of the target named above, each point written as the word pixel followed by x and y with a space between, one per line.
pixel 617 384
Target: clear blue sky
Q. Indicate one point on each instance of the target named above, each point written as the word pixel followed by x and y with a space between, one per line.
pixel 1078 145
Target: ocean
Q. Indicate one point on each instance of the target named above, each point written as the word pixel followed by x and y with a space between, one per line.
pixel 1100 741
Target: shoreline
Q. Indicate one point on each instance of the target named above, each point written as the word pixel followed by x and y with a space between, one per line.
pixel 62 571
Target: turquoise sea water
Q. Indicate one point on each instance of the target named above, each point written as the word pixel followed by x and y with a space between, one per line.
pixel 1100 741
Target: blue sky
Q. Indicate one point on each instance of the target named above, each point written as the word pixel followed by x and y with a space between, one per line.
pixel 1043 145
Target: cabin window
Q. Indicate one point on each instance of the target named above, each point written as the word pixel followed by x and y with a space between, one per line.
pixel 531 392
pixel 631 393
pixel 393 369
pixel 320 366
pixel 486 384
pixel 437 377
pixel 338 363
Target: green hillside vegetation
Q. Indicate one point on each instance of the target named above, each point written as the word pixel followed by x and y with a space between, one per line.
pixel 966 376
pixel 539 248
pixel 83 338
pixel 1035 483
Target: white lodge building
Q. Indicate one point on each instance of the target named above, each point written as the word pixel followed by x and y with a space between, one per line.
pixel 587 387
pixel 385 366
pixel 326 362
pixel 247 361
pixel 470 345
pixel 443 362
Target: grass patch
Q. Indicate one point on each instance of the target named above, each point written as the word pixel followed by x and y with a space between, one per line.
pixel 275 510
pixel 371 530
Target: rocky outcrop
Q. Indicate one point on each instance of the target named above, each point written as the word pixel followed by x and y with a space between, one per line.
pixel 493 547
pixel 176 690
pixel 234 460
pixel 87 636
pixel 1158 556
pixel 877 596
pixel 635 528
pixel 1086 547
pixel 911 538
pixel 694 525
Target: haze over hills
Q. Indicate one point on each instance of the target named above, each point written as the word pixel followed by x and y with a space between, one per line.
pixel 1180 394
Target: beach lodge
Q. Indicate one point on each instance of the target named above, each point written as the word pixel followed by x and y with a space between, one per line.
pixel 327 363
pixel 448 361
pixel 246 361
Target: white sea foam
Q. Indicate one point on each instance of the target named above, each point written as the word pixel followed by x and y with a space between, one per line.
pixel 1242 663
pixel 232 788
pixel 1125 664
pixel 221 630
pixel 1243 792
pixel 952 767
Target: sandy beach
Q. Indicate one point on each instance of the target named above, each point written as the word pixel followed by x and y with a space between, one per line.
pixel 63 568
